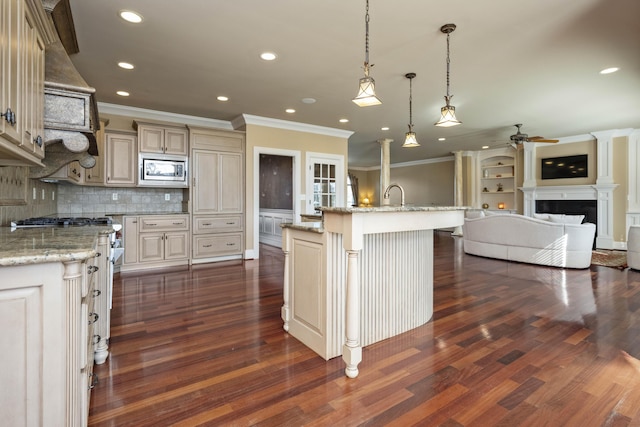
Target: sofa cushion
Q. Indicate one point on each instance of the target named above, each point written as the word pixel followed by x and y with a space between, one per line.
pixel 566 219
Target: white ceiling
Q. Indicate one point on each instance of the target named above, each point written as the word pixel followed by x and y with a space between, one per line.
pixel 534 62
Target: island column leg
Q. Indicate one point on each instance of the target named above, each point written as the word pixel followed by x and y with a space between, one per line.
pixel 284 311
pixel 352 350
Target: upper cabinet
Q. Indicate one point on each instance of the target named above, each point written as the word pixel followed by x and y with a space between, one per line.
pixel 120 151
pixel 22 83
pixel 163 139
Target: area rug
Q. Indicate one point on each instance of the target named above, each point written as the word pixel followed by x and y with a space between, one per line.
pixel 607 258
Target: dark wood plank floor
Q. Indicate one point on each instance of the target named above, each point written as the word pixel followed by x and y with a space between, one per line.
pixel 510 345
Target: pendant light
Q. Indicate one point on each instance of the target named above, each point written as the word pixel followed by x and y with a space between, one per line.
pixel 367 91
pixel 410 137
pixel 448 112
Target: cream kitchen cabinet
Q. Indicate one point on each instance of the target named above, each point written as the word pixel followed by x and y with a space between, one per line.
pixel 217 194
pixel 152 241
pixel 22 82
pixel 51 316
pixel 154 138
pixel 121 160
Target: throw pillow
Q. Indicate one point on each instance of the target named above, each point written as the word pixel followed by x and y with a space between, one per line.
pixel 544 216
pixel 566 219
pixel 475 214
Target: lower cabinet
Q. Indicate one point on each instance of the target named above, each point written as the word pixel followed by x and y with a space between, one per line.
pixel 50 318
pixel 216 236
pixel 153 241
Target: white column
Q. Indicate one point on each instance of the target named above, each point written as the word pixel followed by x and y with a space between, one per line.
pixel 385 162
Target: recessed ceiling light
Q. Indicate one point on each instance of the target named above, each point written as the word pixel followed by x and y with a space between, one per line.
pixel 130 16
pixel 222 98
pixel 122 93
pixel 344 120
pixel 484 147
pixel 308 100
pixel 125 65
pixel 442 139
pixel 268 56
pixel 290 110
pixel 609 70
pixel 385 128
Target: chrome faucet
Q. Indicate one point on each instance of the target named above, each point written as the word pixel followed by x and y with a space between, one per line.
pixel 388 190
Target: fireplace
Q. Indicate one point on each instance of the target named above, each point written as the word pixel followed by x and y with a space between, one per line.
pixel 595 202
pixel 588 208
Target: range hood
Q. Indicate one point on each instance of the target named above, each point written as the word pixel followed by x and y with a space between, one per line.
pixel 70 110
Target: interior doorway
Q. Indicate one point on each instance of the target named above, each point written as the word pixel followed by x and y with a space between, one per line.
pixel 276 197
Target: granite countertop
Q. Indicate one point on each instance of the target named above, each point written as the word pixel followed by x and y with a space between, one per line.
pixel 405 208
pixel 34 245
pixel 315 227
pixel 146 213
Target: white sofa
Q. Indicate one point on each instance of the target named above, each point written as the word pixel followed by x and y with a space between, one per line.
pixel 524 239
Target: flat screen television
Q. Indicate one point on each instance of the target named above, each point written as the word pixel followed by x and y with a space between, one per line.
pixel 564 167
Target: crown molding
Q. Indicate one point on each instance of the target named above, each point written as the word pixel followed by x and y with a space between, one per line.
pixel 164 116
pixel 248 119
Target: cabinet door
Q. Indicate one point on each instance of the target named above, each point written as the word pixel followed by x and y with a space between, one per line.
pixel 130 236
pixel 121 161
pixel 11 16
pixel 176 141
pixel 205 182
pixel 95 175
pixel 175 245
pixel 31 87
pixel 151 139
pixel 151 247
pixel 231 183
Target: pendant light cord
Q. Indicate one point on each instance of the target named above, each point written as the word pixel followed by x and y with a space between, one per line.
pixel 366 42
pixel 410 104
pixel 448 62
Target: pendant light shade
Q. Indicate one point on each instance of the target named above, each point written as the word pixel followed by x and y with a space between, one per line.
pixel 410 137
pixel 367 90
pixel 448 112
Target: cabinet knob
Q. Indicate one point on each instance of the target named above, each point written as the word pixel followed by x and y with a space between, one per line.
pixel 92 269
pixel 38 141
pixel 231 244
pixel 9 116
pixel 93 318
pixel 96 338
pixel 97 293
pixel 206 246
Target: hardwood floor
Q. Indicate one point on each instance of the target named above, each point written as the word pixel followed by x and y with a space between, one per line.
pixel 509 345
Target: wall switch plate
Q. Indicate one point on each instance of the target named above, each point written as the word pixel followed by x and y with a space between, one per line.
pixel 34 193
pixel 43 194
pixel 167 196
pixel 53 195
pixel 114 196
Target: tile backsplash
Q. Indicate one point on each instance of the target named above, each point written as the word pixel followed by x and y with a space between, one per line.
pixel 82 200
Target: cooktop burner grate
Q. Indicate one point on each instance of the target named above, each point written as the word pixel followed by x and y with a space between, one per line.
pixel 61 222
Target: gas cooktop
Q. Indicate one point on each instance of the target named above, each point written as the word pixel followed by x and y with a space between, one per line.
pixel 61 222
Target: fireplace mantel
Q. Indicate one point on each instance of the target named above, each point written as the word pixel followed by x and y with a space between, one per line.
pixel 602 193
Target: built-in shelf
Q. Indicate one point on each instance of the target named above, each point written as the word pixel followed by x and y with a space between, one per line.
pixel 496 163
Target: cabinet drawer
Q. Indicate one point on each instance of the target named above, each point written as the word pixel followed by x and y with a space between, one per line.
pixel 205 246
pixel 164 223
pixel 211 224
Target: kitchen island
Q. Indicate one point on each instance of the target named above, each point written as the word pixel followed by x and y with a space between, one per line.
pixel 360 276
pixel 54 320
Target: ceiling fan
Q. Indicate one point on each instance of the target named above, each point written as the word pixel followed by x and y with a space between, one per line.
pixel 518 138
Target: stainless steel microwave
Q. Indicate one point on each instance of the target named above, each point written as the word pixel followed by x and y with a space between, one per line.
pixel 162 170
